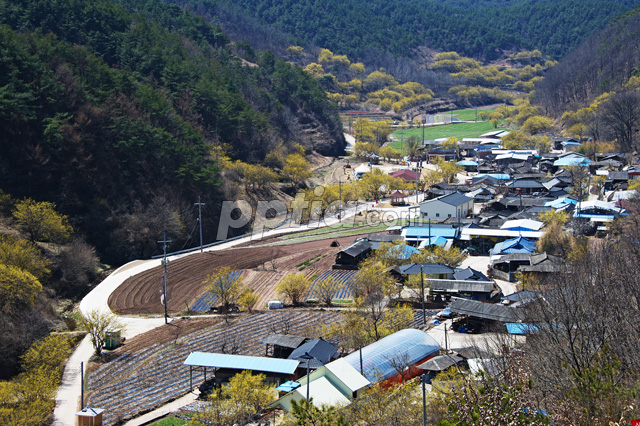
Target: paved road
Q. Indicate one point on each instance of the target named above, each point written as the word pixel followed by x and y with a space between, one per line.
pixel 68 396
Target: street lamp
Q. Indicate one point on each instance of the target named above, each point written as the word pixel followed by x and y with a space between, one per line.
pixel 307 358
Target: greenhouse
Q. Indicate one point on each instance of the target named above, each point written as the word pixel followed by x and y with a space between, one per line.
pixel 380 360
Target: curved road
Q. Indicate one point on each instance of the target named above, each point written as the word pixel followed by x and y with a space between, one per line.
pixel 68 395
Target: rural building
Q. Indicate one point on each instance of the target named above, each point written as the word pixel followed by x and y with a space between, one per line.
pixel 281 345
pixel 406 174
pixel 225 366
pixel 350 257
pixel 336 383
pixel 451 205
pixel 321 351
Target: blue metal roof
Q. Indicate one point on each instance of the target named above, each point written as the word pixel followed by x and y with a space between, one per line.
pixel 423 232
pixel 467 163
pixel 499 176
pixel 242 362
pixel 515 245
pixel 402 251
pixel 572 161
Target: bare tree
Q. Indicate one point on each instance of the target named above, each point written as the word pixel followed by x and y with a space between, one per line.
pixel 622 114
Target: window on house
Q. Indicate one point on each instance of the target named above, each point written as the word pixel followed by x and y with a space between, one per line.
pixel 449 214
pixel 437 214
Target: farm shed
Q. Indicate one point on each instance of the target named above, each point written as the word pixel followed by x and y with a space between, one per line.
pixel 350 257
pixel 487 311
pixel 226 366
pixel 409 347
pixel 90 417
pixel 475 290
pixel 281 345
pixel 336 383
pixel 321 351
pixel 451 205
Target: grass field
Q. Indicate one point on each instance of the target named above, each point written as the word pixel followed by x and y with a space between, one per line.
pixel 459 130
pixel 460 114
pixel 169 421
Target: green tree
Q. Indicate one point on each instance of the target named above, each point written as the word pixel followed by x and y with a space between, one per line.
pixel 19 289
pixel 326 288
pixel 41 221
pixel 24 255
pixel 224 285
pixel 248 299
pixel 293 287
pixel 246 395
pixel 536 124
pixel 97 324
pixel 413 145
pixel 296 169
pixel 305 413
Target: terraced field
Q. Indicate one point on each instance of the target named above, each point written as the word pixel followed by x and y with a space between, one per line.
pixel 344 279
pixel 140 294
pixel 148 371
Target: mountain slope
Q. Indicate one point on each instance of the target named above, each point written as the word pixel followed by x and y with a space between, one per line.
pixel 478 29
pixel 603 63
pixel 110 109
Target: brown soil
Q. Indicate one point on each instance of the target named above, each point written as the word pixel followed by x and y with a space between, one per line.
pixel 141 293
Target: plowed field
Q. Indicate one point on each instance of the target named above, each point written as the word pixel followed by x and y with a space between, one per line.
pixel 141 293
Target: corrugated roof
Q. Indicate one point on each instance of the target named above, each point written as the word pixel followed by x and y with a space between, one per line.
pixel 522 225
pixel 455 199
pixel 413 232
pixel 483 310
pixel 284 340
pixel 515 245
pixel 242 362
pixel 356 248
pixel 320 349
pixel 409 345
pixel 461 286
pixel 441 363
pixel 425 268
pixel 472 352
pixel 323 393
pixel 469 273
pixel 347 374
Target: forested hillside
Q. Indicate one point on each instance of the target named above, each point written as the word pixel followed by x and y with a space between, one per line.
pixel 364 30
pixel 112 111
pixel 607 61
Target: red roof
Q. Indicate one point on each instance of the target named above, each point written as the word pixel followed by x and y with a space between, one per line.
pixel 397 194
pixel 405 174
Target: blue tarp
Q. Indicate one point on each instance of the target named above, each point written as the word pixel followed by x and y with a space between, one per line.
pixel 467 163
pixel 520 328
pixel 288 386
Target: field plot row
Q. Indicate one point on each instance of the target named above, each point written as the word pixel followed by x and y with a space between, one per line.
pixel 344 280
pixel 138 381
pixel 208 300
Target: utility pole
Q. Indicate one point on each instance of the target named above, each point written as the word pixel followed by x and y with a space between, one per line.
pixel 340 196
pixel 402 145
pixel 424 318
pixel 165 261
pixel 82 385
pixel 199 204
pixel 424 118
